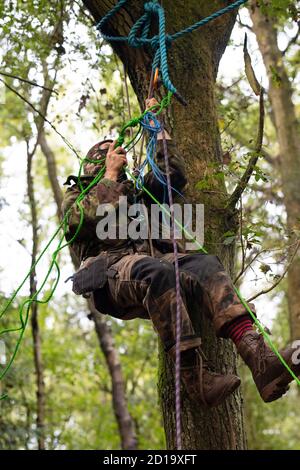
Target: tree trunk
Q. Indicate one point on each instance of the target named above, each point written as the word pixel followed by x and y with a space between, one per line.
pixel 193 62
pixel 104 334
pixel 37 352
pixel 287 129
pixel 124 420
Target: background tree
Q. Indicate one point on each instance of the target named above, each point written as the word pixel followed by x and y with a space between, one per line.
pixel 267 246
pixel 265 25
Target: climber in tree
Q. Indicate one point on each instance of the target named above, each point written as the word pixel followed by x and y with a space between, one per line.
pixel 130 278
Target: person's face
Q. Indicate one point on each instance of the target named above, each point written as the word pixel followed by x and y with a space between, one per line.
pixel 93 168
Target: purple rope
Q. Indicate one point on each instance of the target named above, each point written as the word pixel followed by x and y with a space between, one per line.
pixel 178 299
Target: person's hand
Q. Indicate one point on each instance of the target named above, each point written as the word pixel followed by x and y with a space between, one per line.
pixel 151 102
pixel 115 160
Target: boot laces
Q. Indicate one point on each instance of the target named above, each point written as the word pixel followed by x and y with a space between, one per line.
pixel 262 353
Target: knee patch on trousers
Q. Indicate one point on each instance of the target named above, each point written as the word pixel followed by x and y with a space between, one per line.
pixel 158 274
pixel 202 265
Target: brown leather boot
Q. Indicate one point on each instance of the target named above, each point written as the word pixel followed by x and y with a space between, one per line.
pixel 269 374
pixel 204 386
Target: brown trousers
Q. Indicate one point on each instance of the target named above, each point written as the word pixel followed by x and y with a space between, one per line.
pixel 144 287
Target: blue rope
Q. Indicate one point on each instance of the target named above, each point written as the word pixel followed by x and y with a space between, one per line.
pixel 162 41
pixel 209 18
pixel 152 130
pixel 151 124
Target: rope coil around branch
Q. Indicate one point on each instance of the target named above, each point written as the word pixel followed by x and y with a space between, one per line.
pixel 162 41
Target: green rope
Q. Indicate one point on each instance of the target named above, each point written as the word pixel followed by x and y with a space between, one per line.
pixel 137 121
pixel 29 301
pixel 23 317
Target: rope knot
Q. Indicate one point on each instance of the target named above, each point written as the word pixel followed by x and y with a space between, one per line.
pixel 152 7
pixel 133 41
pixel 155 41
pixel 168 39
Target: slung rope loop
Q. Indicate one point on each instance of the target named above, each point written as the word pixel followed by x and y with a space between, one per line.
pixel 162 41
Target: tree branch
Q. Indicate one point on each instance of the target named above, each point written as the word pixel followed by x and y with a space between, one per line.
pixel 259 253
pixel 241 240
pixel 271 159
pixel 292 41
pixel 5 74
pixel 42 116
pixel 243 25
pixel 266 291
pixel 245 268
pixel 235 196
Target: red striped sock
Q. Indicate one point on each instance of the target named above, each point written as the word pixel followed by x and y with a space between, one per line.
pixel 238 327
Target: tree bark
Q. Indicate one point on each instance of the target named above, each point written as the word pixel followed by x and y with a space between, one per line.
pixel 123 417
pixel 193 62
pixel 287 129
pixel 36 335
pixel 52 172
pixel 104 334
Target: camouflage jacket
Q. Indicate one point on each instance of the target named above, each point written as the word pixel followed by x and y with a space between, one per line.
pixel 108 192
